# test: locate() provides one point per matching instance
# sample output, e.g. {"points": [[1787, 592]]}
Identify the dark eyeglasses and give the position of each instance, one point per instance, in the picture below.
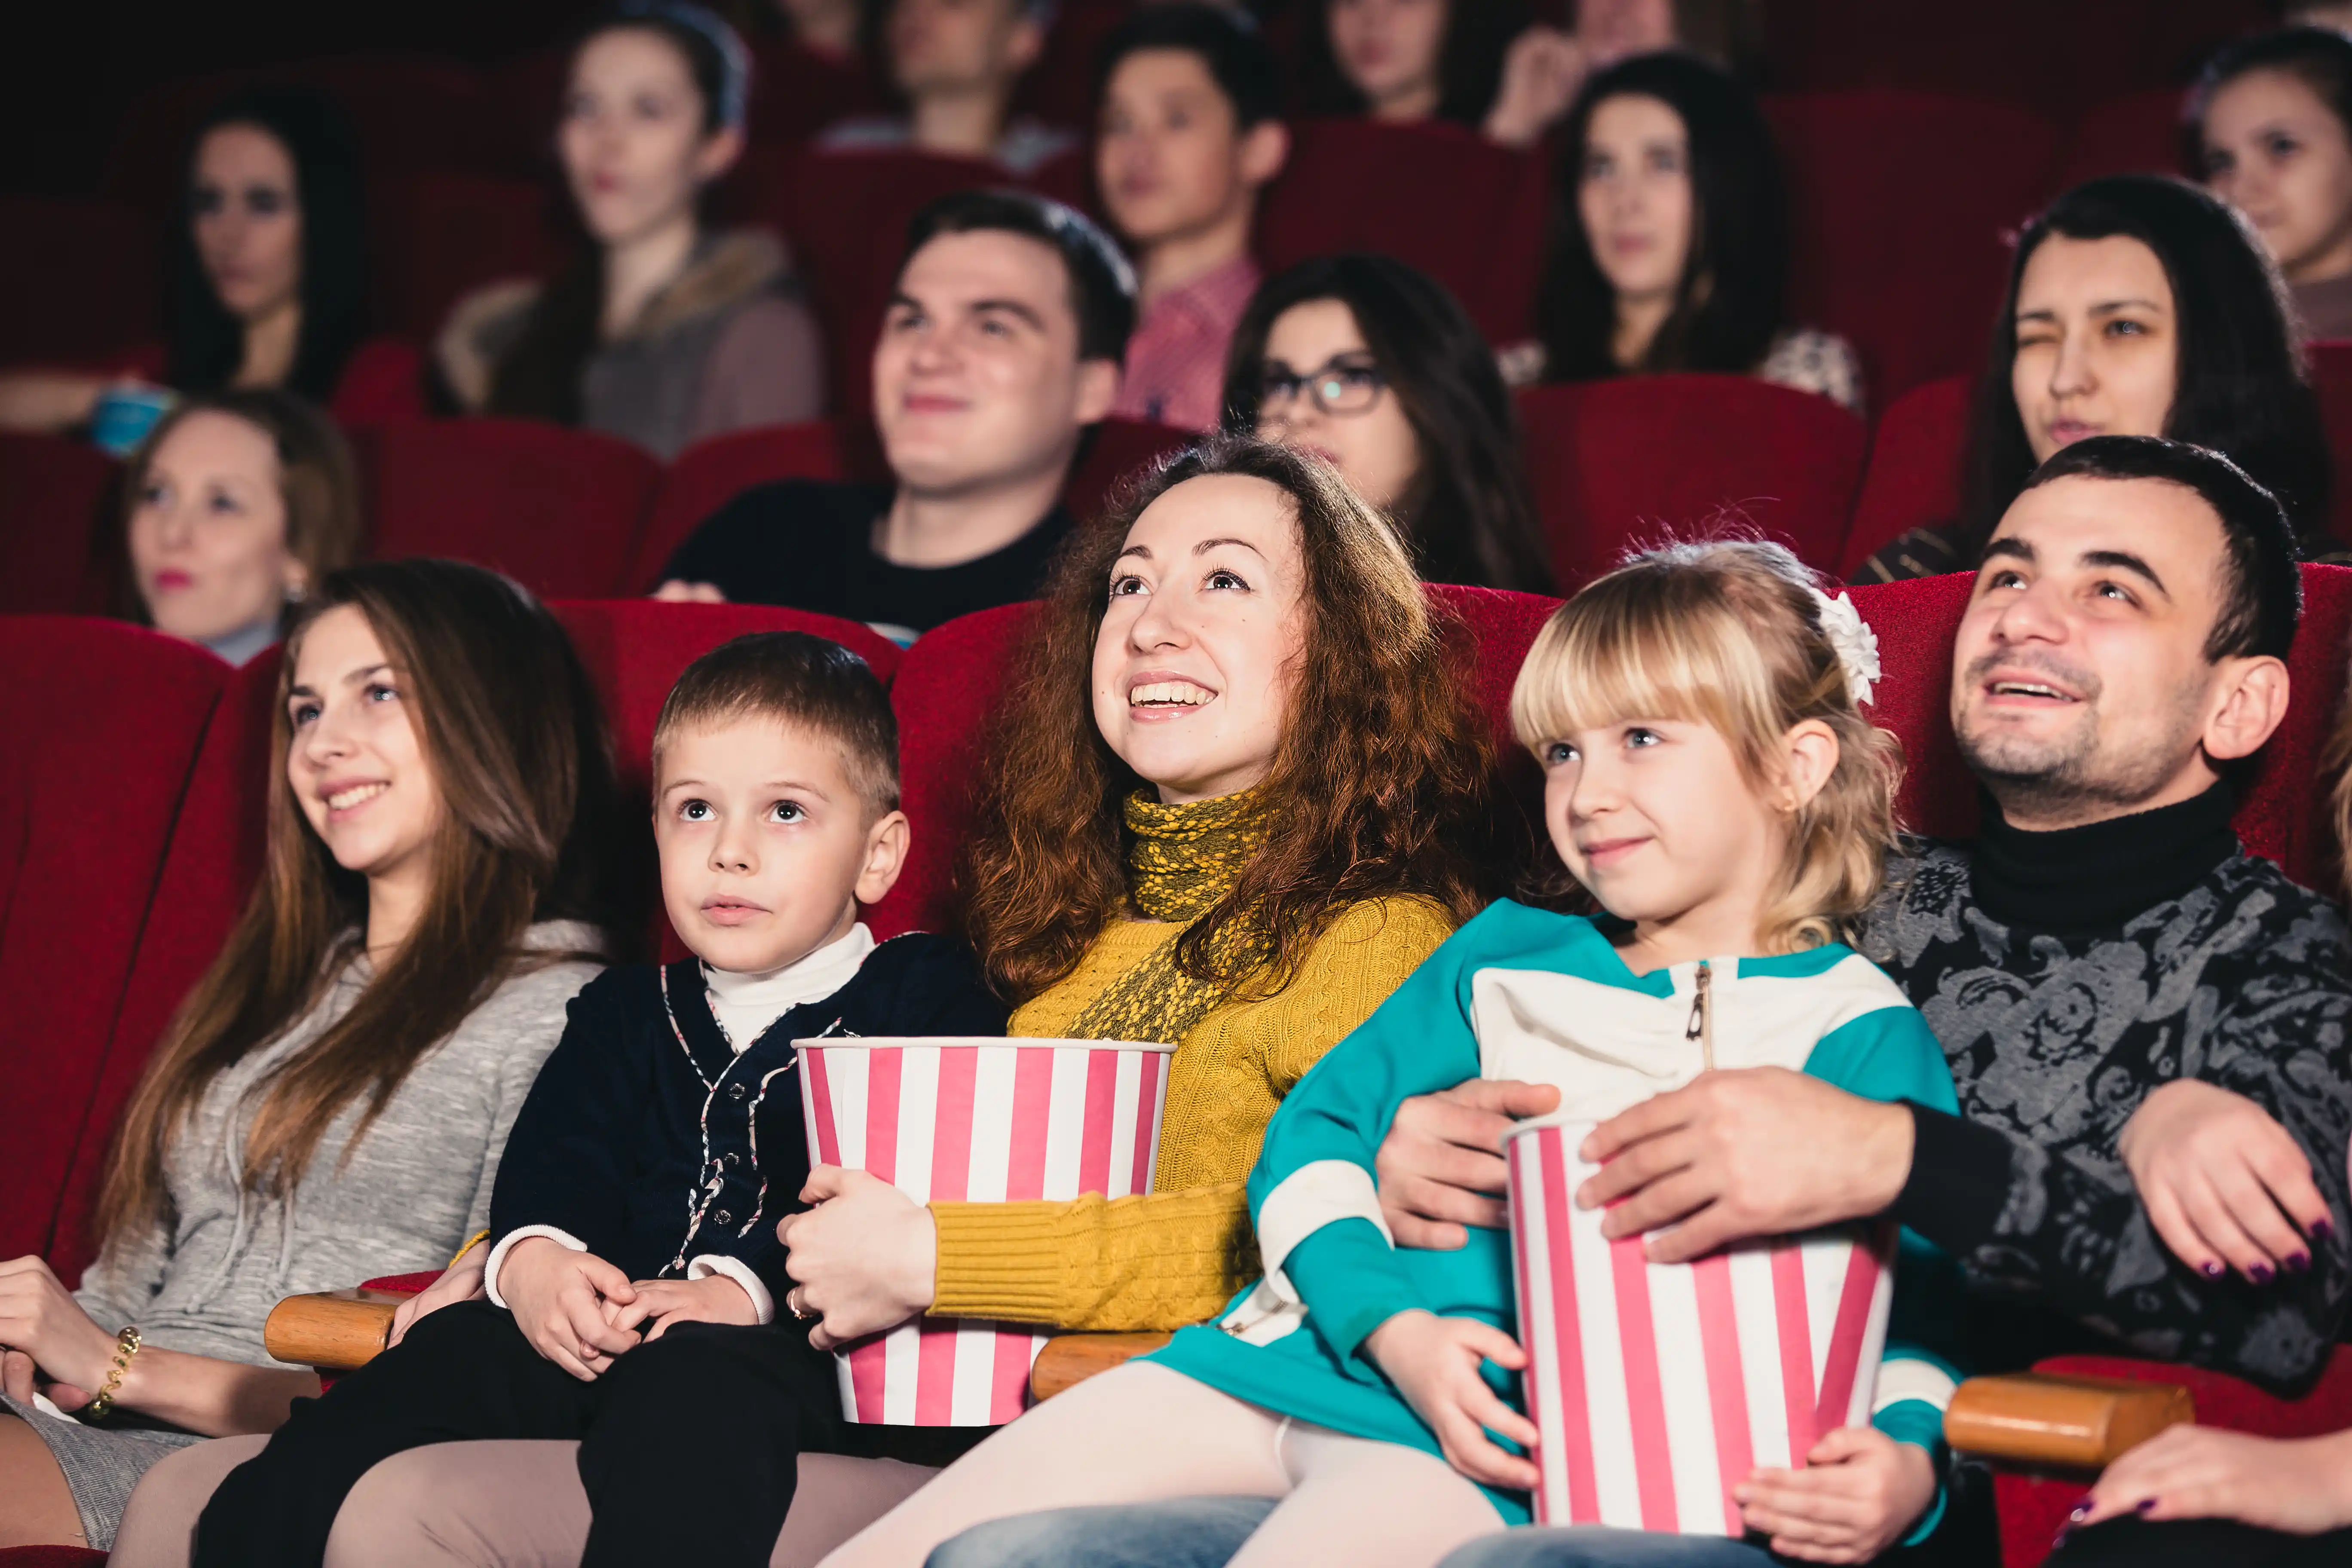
{"points": [[1346, 385]]}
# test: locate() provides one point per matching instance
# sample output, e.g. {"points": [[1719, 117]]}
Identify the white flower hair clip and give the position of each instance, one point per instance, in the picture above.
{"points": [[1855, 644]]}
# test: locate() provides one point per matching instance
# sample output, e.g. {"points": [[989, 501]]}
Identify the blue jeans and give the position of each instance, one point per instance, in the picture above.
{"points": [[1591, 1546], [1184, 1533]]}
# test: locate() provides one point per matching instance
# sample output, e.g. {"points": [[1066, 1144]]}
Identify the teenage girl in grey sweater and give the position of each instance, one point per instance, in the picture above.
{"points": [[333, 1100]]}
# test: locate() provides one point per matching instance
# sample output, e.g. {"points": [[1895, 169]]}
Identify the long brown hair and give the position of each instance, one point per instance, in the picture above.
{"points": [[510, 727], [1382, 784]]}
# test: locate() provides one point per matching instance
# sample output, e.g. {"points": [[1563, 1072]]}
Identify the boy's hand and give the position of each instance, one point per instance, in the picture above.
{"points": [[1433, 1362], [715, 1299], [1860, 1493], [865, 1257], [558, 1296], [461, 1281]]}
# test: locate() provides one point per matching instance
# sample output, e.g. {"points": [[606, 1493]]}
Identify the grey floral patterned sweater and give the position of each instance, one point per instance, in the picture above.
{"points": [[2067, 975]]}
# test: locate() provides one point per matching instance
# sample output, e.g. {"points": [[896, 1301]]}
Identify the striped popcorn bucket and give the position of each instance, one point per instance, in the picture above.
{"points": [[983, 1121], [1656, 1388]]}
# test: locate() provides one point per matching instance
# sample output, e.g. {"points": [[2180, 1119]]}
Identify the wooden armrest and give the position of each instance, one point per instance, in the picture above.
{"points": [[334, 1331], [1069, 1360], [2046, 1422]]}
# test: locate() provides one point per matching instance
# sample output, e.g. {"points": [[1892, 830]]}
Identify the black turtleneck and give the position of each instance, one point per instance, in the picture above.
{"points": [[2077, 880]]}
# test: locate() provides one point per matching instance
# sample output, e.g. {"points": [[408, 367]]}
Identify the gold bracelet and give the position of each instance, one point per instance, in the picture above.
{"points": [[472, 1242], [126, 1345]]}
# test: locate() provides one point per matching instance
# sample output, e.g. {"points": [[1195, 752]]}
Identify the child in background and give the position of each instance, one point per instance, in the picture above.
{"points": [[1710, 781], [635, 1210]]}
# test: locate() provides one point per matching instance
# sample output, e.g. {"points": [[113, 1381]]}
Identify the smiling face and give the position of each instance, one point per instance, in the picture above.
{"points": [[633, 138], [1391, 51], [357, 764], [1633, 195], [1170, 159], [2275, 152], [247, 221], [2080, 685], [977, 379], [2097, 344], [767, 846], [1198, 647], [1317, 347], [208, 530]]}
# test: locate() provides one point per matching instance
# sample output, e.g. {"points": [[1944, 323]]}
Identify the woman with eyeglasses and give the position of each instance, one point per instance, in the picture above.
{"points": [[1375, 368]]}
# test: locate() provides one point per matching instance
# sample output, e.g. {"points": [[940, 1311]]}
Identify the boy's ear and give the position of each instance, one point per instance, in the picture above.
{"points": [[1809, 756], [1265, 149], [885, 856]]}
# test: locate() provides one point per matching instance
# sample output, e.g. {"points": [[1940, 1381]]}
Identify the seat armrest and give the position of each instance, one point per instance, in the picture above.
{"points": [[2049, 1422], [1068, 1360], [334, 1331]]}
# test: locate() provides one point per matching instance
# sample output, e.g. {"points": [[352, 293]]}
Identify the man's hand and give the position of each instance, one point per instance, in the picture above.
{"points": [[2302, 1486], [557, 1299], [715, 1299], [1433, 1362], [1860, 1492], [40, 1318], [1440, 1167], [461, 1281], [678, 591], [867, 1257], [2223, 1184], [1750, 1152]]}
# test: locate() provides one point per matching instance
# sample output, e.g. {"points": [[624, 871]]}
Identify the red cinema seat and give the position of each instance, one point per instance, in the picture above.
{"points": [[1473, 216], [2139, 134], [1914, 476], [1617, 463], [53, 512], [382, 382], [1060, 87], [99, 727], [438, 236], [84, 274], [2331, 377], [558, 510], [1120, 451], [709, 474], [797, 92], [1900, 208]]}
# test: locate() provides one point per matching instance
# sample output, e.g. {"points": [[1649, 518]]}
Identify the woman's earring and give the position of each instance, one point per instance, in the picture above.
{"points": [[297, 590]]}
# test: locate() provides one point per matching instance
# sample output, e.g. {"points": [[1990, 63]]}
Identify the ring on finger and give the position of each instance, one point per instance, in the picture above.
{"points": [[798, 1303]]}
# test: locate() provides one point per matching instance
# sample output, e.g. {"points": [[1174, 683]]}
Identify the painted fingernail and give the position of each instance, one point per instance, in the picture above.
{"points": [[2211, 1270], [2321, 1230], [2144, 1505], [2298, 1262], [2080, 1511], [2261, 1274]]}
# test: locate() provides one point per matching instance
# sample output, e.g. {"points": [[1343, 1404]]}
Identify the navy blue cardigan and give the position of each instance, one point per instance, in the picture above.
{"points": [[653, 1143]]}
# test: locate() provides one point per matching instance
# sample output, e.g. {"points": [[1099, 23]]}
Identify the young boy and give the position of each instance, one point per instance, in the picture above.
{"points": [[634, 1212]]}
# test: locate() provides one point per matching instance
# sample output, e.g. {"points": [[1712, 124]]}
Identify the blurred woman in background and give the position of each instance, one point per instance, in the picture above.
{"points": [[663, 331], [2272, 119], [1405, 61]]}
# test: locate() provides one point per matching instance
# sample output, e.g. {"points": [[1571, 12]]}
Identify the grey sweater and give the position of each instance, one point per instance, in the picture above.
{"points": [[204, 1280]]}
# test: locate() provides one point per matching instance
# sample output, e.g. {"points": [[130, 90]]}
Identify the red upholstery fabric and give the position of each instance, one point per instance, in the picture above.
{"points": [[1914, 622], [83, 273], [1472, 215], [709, 474], [208, 872], [2139, 134], [635, 650], [404, 1284], [382, 382], [1121, 449], [2283, 813], [436, 237], [797, 92], [1914, 476], [1899, 203], [1060, 87], [559, 509], [50, 1557], [53, 507], [2331, 377], [100, 726], [2032, 1507], [1615, 463]]}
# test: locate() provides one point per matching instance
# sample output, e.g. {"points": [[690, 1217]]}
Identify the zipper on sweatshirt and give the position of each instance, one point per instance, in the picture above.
{"points": [[1701, 1026]]}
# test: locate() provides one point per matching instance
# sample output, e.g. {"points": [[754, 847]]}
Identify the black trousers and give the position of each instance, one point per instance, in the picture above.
{"points": [[690, 1445], [2199, 1543]]}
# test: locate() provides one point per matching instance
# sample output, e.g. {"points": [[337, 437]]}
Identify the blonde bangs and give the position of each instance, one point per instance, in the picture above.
{"points": [[1625, 649]]}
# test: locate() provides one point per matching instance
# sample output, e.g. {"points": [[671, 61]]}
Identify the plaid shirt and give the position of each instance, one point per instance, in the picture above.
{"points": [[1176, 360]]}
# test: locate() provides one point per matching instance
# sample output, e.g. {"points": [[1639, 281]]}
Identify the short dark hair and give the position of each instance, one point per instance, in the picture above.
{"points": [[2264, 601], [1226, 40], [796, 679], [2319, 58], [1102, 284]]}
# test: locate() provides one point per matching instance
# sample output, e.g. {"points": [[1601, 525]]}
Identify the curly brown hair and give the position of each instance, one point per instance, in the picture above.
{"points": [[1383, 785]]}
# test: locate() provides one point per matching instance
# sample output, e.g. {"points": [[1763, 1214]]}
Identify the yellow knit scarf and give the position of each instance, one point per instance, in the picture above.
{"points": [[1180, 859]]}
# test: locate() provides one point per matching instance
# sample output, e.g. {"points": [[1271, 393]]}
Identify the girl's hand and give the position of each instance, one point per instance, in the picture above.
{"points": [[715, 1299], [2302, 1486], [1860, 1493], [867, 1257], [1542, 71], [1433, 1362], [461, 1281], [39, 1317], [557, 1299]]}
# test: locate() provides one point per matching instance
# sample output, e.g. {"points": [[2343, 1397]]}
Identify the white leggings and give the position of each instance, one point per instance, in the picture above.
{"points": [[1142, 1432]]}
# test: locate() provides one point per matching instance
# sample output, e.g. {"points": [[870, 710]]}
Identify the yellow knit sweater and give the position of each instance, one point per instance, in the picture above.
{"points": [[1176, 1254]]}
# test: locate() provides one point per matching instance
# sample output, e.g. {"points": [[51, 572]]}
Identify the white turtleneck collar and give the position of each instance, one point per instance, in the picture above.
{"points": [[745, 1005]]}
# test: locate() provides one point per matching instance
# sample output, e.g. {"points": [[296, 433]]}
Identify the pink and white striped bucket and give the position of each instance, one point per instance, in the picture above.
{"points": [[1656, 1388], [982, 1121]]}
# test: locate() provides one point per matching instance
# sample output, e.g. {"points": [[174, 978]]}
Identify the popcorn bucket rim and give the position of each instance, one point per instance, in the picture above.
{"points": [[895, 1042], [1548, 1121]]}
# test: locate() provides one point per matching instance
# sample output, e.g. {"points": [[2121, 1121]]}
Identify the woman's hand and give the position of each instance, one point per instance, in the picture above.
{"points": [[678, 591], [2302, 1486], [1433, 1362], [1860, 1492], [1541, 75], [714, 1298], [867, 1257], [557, 1299], [39, 1317], [461, 1281], [2223, 1184]]}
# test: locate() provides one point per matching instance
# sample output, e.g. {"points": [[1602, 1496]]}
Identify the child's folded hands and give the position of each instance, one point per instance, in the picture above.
{"points": [[1433, 1362], [714, 1298], [1860, 1493], [558, 1296]]}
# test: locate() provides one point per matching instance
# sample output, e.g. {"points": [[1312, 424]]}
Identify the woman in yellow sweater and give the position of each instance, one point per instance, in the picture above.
{"points": [[1235, 802]]}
